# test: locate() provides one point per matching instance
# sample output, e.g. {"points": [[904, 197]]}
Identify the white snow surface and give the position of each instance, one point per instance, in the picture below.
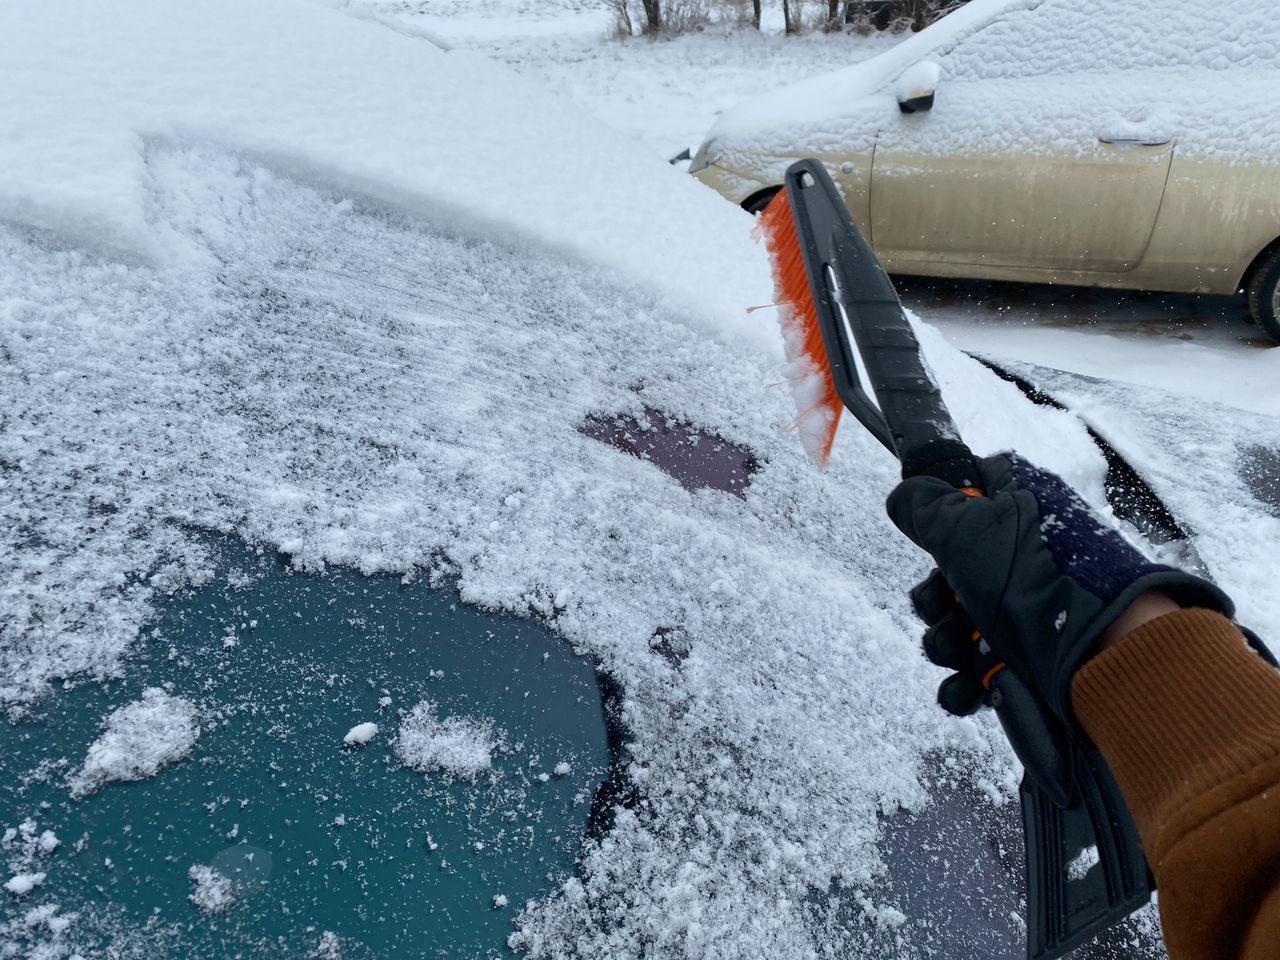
{"points": [[1193, 346], [23, 883], [1045, 38], [328, 948], [1037, 76], [460, 748], [138, 741], [212, 892], [825, 96], [665, 93], [360, 734], [1217, 467], [87, 90]]}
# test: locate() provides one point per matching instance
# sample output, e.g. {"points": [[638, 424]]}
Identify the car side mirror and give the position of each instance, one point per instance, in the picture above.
{"points": [[916, 86]]}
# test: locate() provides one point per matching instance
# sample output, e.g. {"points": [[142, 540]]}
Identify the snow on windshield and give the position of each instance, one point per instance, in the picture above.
{"points": [[396, 378], [354, 388]]}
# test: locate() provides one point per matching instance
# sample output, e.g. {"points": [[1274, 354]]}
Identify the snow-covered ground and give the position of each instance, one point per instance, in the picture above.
{"points": [[289, 270], [1200, 347], [666, 93]]}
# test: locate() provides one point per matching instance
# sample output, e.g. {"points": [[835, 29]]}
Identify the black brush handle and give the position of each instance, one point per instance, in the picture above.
{"points": [[861, 317]]}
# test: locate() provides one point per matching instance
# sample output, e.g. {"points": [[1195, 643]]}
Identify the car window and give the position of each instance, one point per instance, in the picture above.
{"points": [[1076, 36]]}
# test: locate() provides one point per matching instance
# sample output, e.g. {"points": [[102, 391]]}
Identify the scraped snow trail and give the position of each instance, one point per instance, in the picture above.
{"points": [[354, 388]]}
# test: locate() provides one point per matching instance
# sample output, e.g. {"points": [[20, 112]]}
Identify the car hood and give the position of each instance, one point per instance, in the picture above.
{"points": [[323, 96]]}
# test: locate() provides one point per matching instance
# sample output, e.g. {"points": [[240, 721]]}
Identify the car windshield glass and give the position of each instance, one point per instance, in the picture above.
{"points": [[352, 764]]}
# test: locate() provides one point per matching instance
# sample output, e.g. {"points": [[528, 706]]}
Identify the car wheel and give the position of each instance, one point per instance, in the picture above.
{"points": [[759, 200], [1263, 294]]}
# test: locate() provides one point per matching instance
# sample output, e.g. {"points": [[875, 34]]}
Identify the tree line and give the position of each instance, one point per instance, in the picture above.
{"points": [[658, 17]]}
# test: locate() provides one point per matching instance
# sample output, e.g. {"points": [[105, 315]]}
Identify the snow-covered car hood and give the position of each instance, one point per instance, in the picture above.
{"points": [[87, 91]]}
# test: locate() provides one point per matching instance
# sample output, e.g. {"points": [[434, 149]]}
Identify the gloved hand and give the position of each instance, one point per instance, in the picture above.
{"points": [[1035, 573]]}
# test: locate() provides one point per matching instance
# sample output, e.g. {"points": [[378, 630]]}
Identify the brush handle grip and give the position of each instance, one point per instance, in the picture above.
{"points": [[946, 459], [919, 425]]}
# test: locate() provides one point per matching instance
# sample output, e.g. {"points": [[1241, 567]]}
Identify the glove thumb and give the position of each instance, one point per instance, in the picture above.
{"points": [[916, 504]]}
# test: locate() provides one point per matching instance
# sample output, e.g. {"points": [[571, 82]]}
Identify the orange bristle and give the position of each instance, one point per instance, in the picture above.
{"points": [[808, 370]]}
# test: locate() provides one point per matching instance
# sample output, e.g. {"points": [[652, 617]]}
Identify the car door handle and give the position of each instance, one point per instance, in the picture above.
{"points": [[1140, 140]]}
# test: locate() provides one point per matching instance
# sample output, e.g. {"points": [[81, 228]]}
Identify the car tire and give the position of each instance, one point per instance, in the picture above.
{"points": [[1263, 293], [759, 200]]}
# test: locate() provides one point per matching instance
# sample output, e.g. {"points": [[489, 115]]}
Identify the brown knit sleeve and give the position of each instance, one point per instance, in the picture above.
{"points": [[1188, 718]]}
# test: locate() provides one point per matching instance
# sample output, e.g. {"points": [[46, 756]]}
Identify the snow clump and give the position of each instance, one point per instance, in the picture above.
{"points": [[212, 892], [23, 883], [460, 748], [329, 947], [360, 734], [139, 740], [24, 846]]}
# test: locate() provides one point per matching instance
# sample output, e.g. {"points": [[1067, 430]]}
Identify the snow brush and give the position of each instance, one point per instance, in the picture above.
{"points": [[843, 323]]}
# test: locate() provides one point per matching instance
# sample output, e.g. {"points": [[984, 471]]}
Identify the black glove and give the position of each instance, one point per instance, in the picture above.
{"points": [[1035, 574]]}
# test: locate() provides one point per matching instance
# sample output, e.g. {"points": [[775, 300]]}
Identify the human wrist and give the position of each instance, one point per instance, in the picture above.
{"points": [[1145, 608], [1181, 703]]}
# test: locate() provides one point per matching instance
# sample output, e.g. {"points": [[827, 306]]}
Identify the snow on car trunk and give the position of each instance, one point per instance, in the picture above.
{"points": [[390, 366]]}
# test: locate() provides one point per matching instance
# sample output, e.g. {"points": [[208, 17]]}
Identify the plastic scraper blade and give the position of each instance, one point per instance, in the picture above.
{"points": [[1085, 866]]}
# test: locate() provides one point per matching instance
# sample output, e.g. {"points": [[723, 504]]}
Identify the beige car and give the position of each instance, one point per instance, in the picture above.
{"points": [[1052, 141]]}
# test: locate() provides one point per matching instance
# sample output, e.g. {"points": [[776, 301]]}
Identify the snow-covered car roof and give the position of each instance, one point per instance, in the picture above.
{"points": [[1058, 50]]}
